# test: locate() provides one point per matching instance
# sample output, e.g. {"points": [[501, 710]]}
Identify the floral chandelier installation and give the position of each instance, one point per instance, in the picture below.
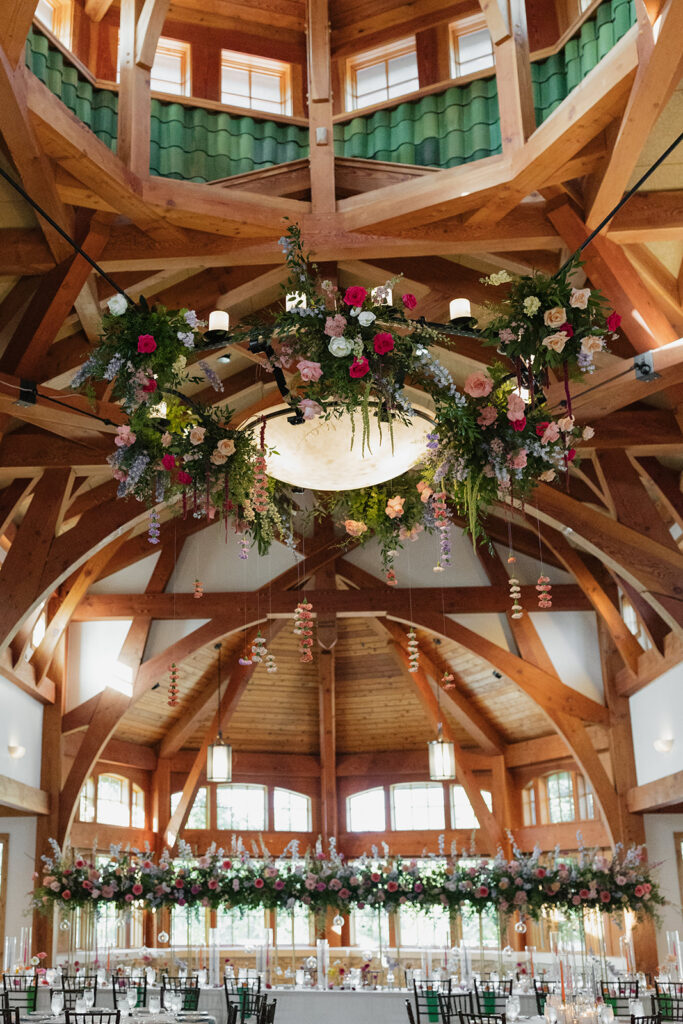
{"points": [[350, 354], [524, 885]]}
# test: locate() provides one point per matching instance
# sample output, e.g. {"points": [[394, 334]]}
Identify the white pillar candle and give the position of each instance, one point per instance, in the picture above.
{"points": [[460, 307], [219, 320]]}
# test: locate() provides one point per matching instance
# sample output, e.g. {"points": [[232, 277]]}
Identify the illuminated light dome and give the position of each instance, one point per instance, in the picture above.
{"points": [[317, 453]]}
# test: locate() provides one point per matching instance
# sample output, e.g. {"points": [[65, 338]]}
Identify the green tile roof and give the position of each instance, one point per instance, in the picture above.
{"points": [[555, 77], [454, 127], [95, 107], [442, 130], [202, 145]]}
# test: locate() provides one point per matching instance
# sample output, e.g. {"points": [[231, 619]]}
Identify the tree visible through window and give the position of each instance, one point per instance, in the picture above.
{"points": [[382, 74]]}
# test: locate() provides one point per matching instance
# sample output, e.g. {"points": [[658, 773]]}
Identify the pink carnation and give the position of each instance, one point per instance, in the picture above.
{"points": [[334, 326], [487, 416], [309, 408]]}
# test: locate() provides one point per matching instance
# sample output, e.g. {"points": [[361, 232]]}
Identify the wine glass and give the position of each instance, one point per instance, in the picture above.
{"points": [[80, 1006], [89, 998], [132, 998], [57, 1003]]}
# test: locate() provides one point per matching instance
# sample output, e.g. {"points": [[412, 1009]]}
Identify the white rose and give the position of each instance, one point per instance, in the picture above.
{"points": [[579, 297], [555, 317], [588, 433], [365, 318], [354, 311], [226, 446], [118, 304], [566, 424], [340, 347], [592, 343], [197, 435], [218, 458]]}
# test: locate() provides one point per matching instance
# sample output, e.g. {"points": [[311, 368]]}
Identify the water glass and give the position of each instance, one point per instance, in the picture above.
{"points": [[154, 1003], [89, 998], [606, 1014], [550, 1012], [80, 1006], [132, 998], [512, 1008], [57, 1003]]}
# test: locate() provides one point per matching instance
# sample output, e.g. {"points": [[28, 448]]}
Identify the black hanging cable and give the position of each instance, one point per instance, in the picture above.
{"points": [[622, 202], [67, 238]]}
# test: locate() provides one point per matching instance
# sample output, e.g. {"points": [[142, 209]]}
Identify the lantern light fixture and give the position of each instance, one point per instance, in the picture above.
{"points": [[441, 758], [219, 753]]}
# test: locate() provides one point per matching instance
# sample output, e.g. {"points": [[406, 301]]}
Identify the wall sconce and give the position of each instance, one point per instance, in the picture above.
{"points": [[663, 744], [16, 750]]}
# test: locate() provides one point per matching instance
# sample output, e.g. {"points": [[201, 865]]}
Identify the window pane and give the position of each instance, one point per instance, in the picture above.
{"points": [[302, 927], [418, 929], [45, 13], [138, 808], [291, 811], [489, 927], [366, 924], [241, 807], [371, 78], [365, 812], [112, 800], [197, 816], [418, 805], [235, 929], [402, 69], [462, 814], [265, 87], [235, 80], [560, 791], [475, 45], [403, 87], [188, 926], [86, 810]]}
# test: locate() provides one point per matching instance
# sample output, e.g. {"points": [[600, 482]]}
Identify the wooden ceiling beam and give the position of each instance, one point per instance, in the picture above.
{"points": [[17, 17], [634, 507], [19, 798], [96, 9], [668, 485], [657, 795], [649, 216], [661, 283]]}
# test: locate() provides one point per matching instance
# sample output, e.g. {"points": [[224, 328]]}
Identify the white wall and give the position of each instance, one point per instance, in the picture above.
{"points": [[657, 712], [22, 848], [661, 851], [21, 724], [92, 662]]}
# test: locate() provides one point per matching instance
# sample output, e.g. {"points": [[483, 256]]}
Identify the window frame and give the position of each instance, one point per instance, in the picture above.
{"points": [[363, 792], [451, 806], [373, 58], [464, 27], [241, 785], [128, 784], [62, 20], [4, 875], [432, 786], [301, 796], [177, 48], [252, 64], [529, 805]]}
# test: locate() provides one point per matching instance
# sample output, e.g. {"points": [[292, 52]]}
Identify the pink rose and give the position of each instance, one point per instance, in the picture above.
{"points": [[179, 883], [320, 886], [108, 891], [605, 896], [392, 886], [137, 889], [168, 461], [309, 408], [613, 321], [344, 894], [258, 883], [184, 478], [213, 883], [309, 369], [359, 367], [639, 891], [146, 343], [409, 301], [355, 296], [647, 887], [516, 407], [66, 895], [394, 507], [478, 384], [375, 876], [576, 900], [334, 326], [383, 343], [487, 416], [150, 387], [550, 434], [518, 461], [279, 884], [519, 425], [584, 894]]}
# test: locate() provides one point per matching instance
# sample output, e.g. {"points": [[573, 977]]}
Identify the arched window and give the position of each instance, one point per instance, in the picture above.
{"points": [[113, 800], [585, 795], [417, 805], [529, 804], [365, 811], [462, 812], [137, 807], [86, 809], [559, 788], [241, 807], [197, 818], [291, 811]]}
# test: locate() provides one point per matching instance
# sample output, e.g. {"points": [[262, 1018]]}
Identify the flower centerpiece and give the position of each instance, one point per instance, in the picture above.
{"points": [[545, 322]]}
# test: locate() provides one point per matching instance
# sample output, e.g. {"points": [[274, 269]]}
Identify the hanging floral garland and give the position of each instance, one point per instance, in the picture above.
{"points": [[303, 628], [526, 884]]}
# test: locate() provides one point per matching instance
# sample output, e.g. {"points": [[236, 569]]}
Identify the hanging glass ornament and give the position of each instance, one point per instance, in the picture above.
{"points": [[162, 937], [173, 685], [64, 925], [198, 588], [413, 651], [515, 594], [520, 927], [303, 628], [545, 592]]}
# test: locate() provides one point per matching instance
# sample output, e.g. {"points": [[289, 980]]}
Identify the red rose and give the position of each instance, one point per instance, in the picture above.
{"points": [[179, 883], [183, 477], [571, 454], [168, 461], [482, 891], [540, 872], [150, 387], [519, 425], [613, 321], [227, 864], [392, 886], [375, 876], [568, 330], [359, 367], [605, 896], [409, 301], [146, 343], [258, 883], [541, 428], [383, 343], [355, 296]]}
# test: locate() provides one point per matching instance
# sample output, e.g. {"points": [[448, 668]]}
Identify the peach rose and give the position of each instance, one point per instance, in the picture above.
{"points": [[354, 528], [550, 434], [218, 458], [579, 298], [425, 491], [566, 424], [548, 475], [478, 384], [556, 341], [555, 317], [394, 507], [592, 343], [197, 435], [226, 446]]}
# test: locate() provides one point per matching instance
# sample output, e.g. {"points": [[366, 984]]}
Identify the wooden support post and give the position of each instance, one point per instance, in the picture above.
{"points": [[513, 77], [321, 129], [327, 638], [134, 95]]}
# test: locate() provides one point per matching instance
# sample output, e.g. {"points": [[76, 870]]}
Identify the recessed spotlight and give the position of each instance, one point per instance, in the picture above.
{"points": [[663, 744], [16, 750], [497, 674], [225, 358]]}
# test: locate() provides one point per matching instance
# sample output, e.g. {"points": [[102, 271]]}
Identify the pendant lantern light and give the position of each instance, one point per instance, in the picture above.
{"points": [[441, 758], [219, 753]]}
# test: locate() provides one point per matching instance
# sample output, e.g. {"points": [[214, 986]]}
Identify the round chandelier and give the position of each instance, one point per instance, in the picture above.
{"points": [[328, 455]]}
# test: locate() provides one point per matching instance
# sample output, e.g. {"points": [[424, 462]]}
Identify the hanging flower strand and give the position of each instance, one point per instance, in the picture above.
{"points": [[260, 489], [515, 594], [198, 588], [173, 685], [259, 649], [413, 651], [545, 592], [443, 525], [303, 628], [271, 664]]}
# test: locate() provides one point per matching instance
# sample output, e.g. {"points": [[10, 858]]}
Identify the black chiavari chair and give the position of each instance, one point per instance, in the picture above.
{"points": [[93, 1017], [121, 986], [490, 997], [618, 995], [669, 1007], [74, 988], [451, 1006], [8, 1014], [270, 1012], [426, 994], [409, 1011], [482, 1018], [21, 991], [243, 995], [542, 990], [188, 988], [653, 1018]]}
